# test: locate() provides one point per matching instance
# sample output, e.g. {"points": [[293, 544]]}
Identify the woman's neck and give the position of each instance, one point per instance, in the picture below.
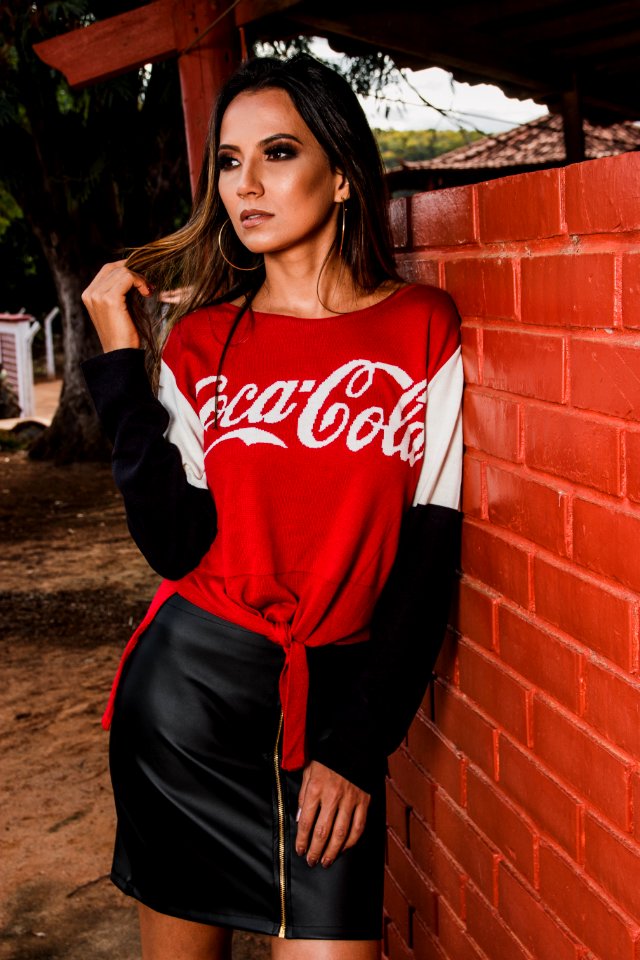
{"points": [[297, 286]]}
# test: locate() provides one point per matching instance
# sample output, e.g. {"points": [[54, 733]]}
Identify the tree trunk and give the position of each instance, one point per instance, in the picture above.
{"points": [[75, 432]]}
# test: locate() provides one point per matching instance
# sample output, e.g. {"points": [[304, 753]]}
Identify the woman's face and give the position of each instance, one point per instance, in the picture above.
{"points": [[275, 179]]}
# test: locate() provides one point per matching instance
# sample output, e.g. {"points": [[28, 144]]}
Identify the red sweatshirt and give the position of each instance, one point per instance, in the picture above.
{"points": [[318, 452]]}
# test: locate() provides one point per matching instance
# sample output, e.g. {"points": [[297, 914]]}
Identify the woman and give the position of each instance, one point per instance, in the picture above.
{"points": [[280, 484]]}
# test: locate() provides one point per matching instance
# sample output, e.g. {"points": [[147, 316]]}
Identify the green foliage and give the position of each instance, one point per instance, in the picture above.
{"points": [[367, 73], [88, 172], [9, 211], [398, 145]]}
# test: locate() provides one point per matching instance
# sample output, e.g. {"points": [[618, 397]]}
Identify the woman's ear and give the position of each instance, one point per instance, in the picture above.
{"points": [[342, 187]]}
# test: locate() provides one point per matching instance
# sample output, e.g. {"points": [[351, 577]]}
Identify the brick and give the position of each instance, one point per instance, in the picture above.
{"points": [[491, 424], [418, 268], [398, 221], [489, 931], [460, 722], [573, 446], [414, 884], [499, 693], [454, 939], [528, 364], [604, 377], [635, 802], [410, 782], [465, 844], [446, 665], [397, 949], [443, 218], [631, 289], [397, 816], [530, 921], [536, 511], [471, 351], [569, 290], [474, 614], [501, 823], [606, 540], [612, 706], [496, 561], [442, 762], [598, 617], [540, 657], [446, 875], [425, 946], [632, 465], [552, 807], [396, 905], [473, 488], [613, 861], [520, 208], [417, 889], [473, 494], [592, 918], [583, 760], [601, 196], [483, 288]]}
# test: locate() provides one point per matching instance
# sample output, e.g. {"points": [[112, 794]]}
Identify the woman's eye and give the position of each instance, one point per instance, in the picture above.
{"points": [[225, 162], [282, 152]]}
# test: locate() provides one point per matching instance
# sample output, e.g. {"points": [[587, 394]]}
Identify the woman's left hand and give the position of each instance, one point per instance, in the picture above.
{"points": [[332, 814]]}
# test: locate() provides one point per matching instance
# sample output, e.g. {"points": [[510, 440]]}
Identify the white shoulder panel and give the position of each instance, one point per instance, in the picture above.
{"points": [[441, 475], [185, 429]]}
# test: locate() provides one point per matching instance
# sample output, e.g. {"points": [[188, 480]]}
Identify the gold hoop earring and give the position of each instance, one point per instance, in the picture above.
{"points": [[226, 259], [343, 204]]}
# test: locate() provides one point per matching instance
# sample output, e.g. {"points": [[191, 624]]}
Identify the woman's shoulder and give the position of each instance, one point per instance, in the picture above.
{"points": [[427, 294]]}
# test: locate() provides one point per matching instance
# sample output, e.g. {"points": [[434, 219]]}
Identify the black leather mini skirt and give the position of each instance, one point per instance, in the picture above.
{"points": [[206, 816]]}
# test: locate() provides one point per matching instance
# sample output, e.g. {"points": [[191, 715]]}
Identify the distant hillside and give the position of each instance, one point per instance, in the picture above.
{"points": [[397, 145]]}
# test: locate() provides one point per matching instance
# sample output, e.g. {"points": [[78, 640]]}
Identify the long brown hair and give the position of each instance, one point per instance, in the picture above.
{"points": [[189, 261]]}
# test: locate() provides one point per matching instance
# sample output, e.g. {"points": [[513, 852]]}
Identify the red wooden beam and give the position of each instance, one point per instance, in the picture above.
{"points": [[249, 10], [204, 66], [150, 33], [145, 35], [114, 46]]}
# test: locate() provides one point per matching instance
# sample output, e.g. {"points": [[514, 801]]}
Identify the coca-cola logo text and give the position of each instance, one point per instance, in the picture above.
{"points": [[323, 410]]}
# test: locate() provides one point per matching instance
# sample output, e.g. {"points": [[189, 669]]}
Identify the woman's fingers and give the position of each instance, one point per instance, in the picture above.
{"points": [[357, 825], [338, 834], [332, 814], [105, 300]]}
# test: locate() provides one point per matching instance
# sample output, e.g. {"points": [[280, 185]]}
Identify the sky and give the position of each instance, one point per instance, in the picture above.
{"points": [[482, 106]]}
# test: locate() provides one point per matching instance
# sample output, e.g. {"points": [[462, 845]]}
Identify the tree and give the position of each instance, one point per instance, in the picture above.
{"points": [[92, 172], [398, 145]]}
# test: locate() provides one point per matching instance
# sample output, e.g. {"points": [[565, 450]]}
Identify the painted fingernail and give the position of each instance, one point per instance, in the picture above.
{"points": [[298, 814], [326, 863], [300, 851], [312, 861]]}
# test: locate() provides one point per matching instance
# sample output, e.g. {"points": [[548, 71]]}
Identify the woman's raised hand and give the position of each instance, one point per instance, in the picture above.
{"points": [[332, 815], [105, 300]]}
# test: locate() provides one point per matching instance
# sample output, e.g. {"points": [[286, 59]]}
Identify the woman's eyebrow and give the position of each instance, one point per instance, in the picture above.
{"points": [[263, 143]]}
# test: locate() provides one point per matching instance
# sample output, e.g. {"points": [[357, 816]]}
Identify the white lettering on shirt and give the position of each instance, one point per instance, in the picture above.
{"points": [[329, 411]]}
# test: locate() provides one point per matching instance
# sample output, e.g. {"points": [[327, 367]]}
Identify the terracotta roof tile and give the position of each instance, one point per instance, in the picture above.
{"points": [[535, 143]]}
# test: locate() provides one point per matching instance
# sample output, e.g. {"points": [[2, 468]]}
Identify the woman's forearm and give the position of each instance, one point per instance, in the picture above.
{"points": [[172, 522]]}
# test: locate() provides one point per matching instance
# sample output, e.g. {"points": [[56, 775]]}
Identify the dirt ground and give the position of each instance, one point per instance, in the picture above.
{"points": [[72, 586]]}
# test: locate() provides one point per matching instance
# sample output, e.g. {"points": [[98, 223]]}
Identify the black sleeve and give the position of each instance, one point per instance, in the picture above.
{"points": [[172, 522], [355, 732]]}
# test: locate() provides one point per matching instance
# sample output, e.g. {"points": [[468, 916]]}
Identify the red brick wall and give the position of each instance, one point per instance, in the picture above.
{"points": [[514, 806]]}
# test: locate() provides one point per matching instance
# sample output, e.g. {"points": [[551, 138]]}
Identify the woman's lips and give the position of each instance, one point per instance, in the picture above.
{"points": [[254, 219]]}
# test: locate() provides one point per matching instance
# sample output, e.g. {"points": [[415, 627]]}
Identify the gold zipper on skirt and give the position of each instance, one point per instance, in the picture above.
{"points": [[281, 854]]}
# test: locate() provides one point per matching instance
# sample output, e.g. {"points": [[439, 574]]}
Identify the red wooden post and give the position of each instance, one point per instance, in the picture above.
{"points": [[153, 32], [203, 68]]}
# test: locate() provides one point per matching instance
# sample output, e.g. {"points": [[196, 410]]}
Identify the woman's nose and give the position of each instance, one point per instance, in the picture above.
{"points": [[249, 182]]}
